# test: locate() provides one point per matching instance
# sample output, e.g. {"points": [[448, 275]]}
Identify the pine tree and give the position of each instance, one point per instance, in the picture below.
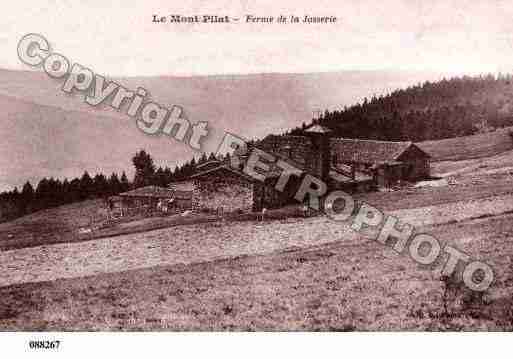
{"points": [[124, 184], [86, 186], [27, 197], [160, 178], [144, 169], [114, 184], [100, 186]]}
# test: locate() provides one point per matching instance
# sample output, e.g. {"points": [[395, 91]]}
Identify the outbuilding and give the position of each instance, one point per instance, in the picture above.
{"points": [[143, 200], [388, 162]]}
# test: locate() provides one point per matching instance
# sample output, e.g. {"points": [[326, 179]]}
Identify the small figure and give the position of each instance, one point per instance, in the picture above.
{"points": [[263, 213], [110, 203], [305, 210]]}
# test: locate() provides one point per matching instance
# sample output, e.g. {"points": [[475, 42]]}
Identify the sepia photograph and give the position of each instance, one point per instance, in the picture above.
{"points": [[223, 167]]}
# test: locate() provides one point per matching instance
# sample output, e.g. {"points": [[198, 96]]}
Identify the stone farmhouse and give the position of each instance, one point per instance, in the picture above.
{"points": [[351, 165]]}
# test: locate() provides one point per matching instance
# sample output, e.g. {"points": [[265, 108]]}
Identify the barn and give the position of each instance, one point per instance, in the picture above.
{"points": [[388, 162]]}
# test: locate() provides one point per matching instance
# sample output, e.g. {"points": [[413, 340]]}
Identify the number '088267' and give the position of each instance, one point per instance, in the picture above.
{"points": [[44, 344]]}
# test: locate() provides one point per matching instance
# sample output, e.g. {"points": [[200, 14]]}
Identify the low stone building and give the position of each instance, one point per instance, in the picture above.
{"points": [[216, 187], [144, 200], [222, 189]]}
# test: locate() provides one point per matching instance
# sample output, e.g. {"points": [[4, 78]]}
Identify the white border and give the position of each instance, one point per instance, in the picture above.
{"points": [[260, 345]]}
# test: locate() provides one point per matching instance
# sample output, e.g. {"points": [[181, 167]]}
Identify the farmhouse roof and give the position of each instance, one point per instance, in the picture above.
{"points": [[208, 163], [370, 151], [181, 186], [222, 167], [177, 194], [149, 191], [343, 177]]}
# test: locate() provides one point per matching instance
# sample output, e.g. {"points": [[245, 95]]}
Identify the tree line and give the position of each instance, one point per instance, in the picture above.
{"points": [[51, 192]]}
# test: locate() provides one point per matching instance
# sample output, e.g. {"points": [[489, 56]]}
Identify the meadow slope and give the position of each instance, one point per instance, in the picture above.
{"points": [[469, 147], [290, 274], [342, 285]]}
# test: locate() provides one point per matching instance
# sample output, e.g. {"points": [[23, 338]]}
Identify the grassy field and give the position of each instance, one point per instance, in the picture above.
{"points": [[497, 164], [60, 225], [296, 274], [55, 225], [341, 285], [282, 274], [188, 244], [469, 147]]}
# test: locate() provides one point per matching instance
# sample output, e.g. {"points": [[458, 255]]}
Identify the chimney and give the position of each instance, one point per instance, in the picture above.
{"points": [[320, 137]]}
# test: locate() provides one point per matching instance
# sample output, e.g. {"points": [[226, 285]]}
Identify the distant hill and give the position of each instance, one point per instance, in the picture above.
{"points": [[47, 133]]}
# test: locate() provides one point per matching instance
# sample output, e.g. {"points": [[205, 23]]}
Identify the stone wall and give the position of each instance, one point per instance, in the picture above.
{"points": [[299, 149], [352, 187], [309, 153], [182, 186], [389, 175], [266, 196], [222, 190]]}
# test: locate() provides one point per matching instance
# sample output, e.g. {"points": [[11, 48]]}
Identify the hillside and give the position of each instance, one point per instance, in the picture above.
{"points": [[429, 111], [54, 225], [47, 133], [469, 147], [259, 276], [267, 275], [46, 141]]}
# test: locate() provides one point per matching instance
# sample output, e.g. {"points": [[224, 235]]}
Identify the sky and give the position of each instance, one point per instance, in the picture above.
{"points": [[118, 38]]}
